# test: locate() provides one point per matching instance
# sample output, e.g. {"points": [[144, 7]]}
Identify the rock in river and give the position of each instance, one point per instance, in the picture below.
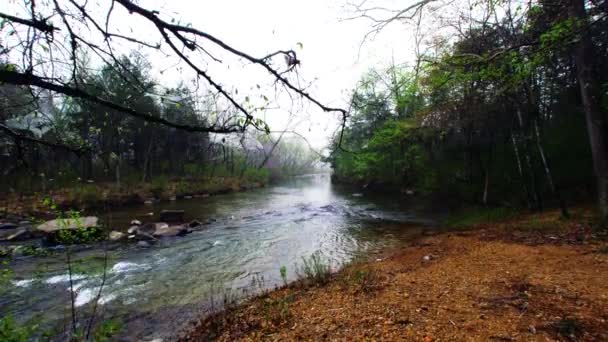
{"points": [[59, 224], [115, 235], [172, 231]]}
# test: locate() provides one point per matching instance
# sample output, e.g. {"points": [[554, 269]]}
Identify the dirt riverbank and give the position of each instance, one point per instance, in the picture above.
{"points": [[531, 278]]}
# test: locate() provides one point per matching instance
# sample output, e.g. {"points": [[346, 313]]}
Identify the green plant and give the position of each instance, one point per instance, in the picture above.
{"points": [[474, 216], [283, 271], [106, 330], [159, 185], [35, 251], [10, 331], [79, 235], [366, 281], [253, 174], [314, 270], [6, 274], [276, 310]]}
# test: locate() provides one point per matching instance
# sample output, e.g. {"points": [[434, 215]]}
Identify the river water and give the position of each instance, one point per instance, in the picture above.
{"points": [[154, 292]]}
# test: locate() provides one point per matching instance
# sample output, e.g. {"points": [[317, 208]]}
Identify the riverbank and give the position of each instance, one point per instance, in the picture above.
{"points": [[529, 277], [91, 197]]}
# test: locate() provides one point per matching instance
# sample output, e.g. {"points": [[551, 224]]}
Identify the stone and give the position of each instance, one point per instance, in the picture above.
{"points": [[148, 202], [8, 225], [172, 198], [144, 236], [59, 224], [426, 258], [172, 216], [169, 231], [143, 244], [115, 235], [150, 228], [136, 223], [132, 229]]}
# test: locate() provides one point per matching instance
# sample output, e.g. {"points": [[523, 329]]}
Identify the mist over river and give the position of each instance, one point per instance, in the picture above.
{"points": [[155, 292]]}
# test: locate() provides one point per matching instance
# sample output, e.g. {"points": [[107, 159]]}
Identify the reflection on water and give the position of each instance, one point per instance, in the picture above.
{"points": [[155, 290]]}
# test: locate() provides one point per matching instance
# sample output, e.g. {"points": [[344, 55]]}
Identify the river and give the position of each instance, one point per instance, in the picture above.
{"points": [[154, 292]]}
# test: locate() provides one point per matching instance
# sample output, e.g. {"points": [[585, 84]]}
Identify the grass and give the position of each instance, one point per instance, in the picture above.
{"points": [[314, 271], [478, 215], [276, 310], [361, 280]]}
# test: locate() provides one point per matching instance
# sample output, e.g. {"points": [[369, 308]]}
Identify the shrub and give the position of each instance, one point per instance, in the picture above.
{"points": [[10, 331], [314, 270], [158, 186], [252, 174]]}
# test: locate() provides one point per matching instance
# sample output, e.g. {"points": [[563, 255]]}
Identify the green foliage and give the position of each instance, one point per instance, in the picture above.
{"points": [[473, 216], [35, 251], [159, 185], [6, 275], [256, 175], [80, 235], [106, 330], [363, 280], [276, 310], [10, 331], [314, 270], [283, 271]]}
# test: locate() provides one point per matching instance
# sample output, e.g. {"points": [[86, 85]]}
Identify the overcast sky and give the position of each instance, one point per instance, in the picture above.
{"points": [[332, 55]]}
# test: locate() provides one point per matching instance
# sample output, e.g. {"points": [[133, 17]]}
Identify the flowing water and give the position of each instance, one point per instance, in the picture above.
{"points": [[156, 291]]}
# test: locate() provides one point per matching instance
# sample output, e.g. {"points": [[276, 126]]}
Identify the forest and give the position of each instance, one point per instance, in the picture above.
{"points": [[416, 170], [499, 114]]}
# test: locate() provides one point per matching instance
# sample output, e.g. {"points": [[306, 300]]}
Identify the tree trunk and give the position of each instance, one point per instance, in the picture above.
{"points": [[520, 169], [554, 189], [597, 126], [536, 196]]}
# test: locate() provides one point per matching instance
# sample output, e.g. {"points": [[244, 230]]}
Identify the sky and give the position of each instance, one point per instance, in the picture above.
{"points": [[330, 49], [332, 55]]}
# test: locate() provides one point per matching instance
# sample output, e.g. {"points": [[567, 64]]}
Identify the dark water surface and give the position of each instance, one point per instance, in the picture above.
{"points": [[156, 291]]}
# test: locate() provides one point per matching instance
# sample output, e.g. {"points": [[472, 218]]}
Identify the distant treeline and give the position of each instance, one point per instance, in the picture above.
{"points": [[109, 146], [494, 115]]}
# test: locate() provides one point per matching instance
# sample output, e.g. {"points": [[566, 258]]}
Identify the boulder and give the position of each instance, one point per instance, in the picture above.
{"points": [[115, 235], [169, 231], [151, 227], [172, 216], [132, 229], [59, 224]]}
